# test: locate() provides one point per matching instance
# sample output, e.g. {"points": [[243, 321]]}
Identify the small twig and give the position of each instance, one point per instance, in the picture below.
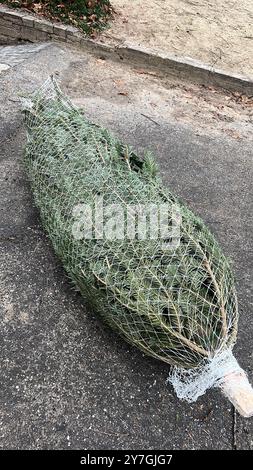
{"points": [[151, 119]]}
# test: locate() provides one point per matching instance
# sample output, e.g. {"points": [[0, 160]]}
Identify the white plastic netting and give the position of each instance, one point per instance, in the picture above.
{"points": [[169, 292], [190, 384]]}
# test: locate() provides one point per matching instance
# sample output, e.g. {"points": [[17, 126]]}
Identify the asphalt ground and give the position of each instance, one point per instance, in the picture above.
{"points": [[67, 381]]}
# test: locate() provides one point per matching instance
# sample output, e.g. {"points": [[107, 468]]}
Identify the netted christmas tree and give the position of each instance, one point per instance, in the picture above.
{"points": [[162, 281]]}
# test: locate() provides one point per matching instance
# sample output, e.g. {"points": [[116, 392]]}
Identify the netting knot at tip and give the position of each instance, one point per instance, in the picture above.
{"points": [[190, 384]]}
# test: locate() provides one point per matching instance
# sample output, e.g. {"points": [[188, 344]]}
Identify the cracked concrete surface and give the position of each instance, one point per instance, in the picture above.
{"points": [[67, 381]]}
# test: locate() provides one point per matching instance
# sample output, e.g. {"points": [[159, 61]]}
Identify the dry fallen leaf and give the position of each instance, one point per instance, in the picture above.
{"points": [[100, 61], [93, 17], [234, 134], [118, 82], [37, 7]]}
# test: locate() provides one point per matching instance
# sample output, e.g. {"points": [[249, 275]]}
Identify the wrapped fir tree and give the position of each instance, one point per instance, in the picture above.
{"points": [[142, 260]]}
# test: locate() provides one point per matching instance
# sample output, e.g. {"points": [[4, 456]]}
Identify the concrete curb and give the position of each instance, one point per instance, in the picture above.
{"points": [[20, 25], [182, 68]]}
